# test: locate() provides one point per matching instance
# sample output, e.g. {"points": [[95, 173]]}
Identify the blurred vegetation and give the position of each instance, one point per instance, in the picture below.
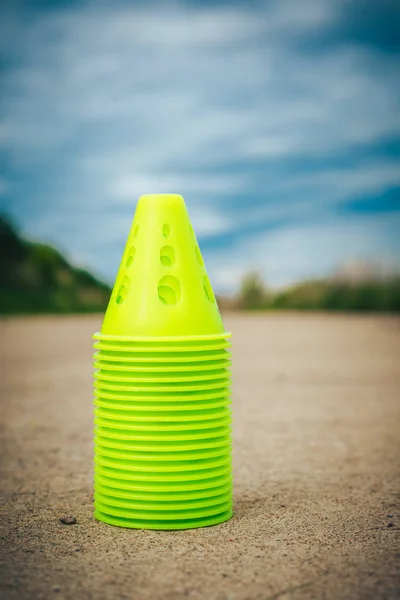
{"points": [[373, 294], [36, 278], [253, 293]]}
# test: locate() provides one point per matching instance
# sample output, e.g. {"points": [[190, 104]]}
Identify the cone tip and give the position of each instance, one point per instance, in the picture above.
{"points": [[169, 200]]}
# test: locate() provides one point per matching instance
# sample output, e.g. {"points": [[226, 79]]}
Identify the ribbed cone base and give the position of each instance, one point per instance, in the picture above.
{"points": [[159, 524], [162, 432]]}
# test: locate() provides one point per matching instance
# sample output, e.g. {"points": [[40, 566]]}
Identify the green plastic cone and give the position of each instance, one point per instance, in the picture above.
{"points": [[162, 289], [162, 382]]}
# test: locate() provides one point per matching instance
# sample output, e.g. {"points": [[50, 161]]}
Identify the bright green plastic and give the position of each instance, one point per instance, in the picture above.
{"points": [[157, 376], [162, 383], [162, 289], [172, 358], [152, 456], [163, 408], [156, 386], [159, 524], [166, 398], [163, 446], [173, 489], [144, 415], [169, 367], [170, 496], [172, 347], [162, 426]]}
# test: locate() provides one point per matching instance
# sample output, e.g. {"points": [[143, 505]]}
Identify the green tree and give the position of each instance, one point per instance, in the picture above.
{"points": [[252, 293]]}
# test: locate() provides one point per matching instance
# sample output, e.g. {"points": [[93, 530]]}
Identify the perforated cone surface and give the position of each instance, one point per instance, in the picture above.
{"points": [[162, 383], [162, 288]]}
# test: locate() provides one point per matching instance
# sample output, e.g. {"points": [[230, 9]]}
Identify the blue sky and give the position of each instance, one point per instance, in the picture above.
{"points": [[279, 122]]}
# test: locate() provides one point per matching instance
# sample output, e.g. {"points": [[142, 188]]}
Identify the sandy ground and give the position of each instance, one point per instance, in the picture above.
{"points": [[316, 463]]}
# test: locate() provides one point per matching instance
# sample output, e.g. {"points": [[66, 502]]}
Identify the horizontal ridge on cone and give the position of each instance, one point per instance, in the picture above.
{"points": [[157, 376], [162, 468], [113, 471], [168, 426], [151, 387], [168, 349], [164, 407], [183, 339], [163, 357], [185, 396], [154, 456], [162, 436], [186, 345], [163, 515], [161, 430], [192, 367], [163, 505], [183, 415], [163, 525], [155, 446], [163, 487], [177, 496]]}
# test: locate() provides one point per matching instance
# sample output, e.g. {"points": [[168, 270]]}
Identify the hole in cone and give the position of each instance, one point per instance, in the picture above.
{"points": [[199, 256], [123, 290], [169, 289], [208, 289], [165, 230], [167, 256], [131, 256]]}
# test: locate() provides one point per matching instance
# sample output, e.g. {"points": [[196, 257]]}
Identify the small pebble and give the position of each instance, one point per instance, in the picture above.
{"points": [[68, 520], [390, 524]]}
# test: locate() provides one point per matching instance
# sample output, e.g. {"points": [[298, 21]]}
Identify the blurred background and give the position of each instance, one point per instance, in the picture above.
{"points": [[278, 121]]}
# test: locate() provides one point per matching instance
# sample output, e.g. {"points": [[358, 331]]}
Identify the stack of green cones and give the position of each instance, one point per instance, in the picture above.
{"points": [[162, 383]]}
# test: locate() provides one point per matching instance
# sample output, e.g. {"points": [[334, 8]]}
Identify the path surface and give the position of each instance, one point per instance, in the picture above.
{"points": [[316, 462]]}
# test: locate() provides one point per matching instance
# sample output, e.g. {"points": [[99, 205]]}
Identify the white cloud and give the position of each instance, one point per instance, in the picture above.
{"points": [[288, 255], [317, 195], [132, 186], [185, 85], [350, 181], [208, 221]]}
